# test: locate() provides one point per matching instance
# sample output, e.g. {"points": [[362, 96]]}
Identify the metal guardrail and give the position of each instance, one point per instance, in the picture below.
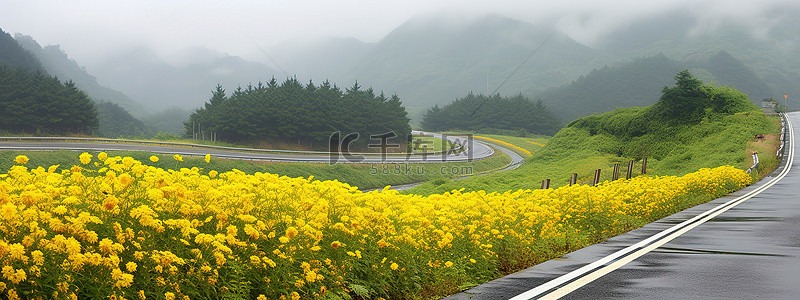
{"points": [[755, 163], [459, 148], [778, 153]]}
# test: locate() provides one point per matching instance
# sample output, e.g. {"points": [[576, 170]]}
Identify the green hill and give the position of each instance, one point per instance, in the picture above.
{"points": [[692, 126]]}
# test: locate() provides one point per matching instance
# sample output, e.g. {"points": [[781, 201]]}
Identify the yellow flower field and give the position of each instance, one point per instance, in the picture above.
{"points": [[122, 229]]}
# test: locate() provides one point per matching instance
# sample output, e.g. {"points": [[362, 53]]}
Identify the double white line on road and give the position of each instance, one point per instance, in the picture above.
{"points": [[571, 281]]}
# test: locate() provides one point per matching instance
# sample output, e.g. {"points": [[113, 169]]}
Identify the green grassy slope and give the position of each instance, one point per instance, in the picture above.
{"points": [[600, 141]]}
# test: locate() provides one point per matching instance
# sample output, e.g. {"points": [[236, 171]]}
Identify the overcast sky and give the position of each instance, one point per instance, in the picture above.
{"points": [[88, 29]]}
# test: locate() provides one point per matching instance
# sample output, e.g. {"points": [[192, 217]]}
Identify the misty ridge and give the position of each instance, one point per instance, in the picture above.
{"points": [[436, 58]]}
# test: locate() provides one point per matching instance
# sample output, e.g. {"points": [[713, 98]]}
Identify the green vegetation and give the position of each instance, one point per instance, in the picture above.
{"points": [[116, 122], [482, 113], [364, 176], [530, 143], [715, 132], [34, 103], [292, 112], [421, 143]]}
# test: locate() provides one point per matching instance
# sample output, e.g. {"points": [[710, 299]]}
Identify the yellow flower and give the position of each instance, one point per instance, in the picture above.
{"points": [[208, 158], [212, 174], [261, 297], [295, 296], [291, 232], [448, 264], [8, 211], [21, 159], [102, 156], [131, 266], [169, 296], [394, 266], [154, 158], [38, 257], [177, 157], [85, 158]]}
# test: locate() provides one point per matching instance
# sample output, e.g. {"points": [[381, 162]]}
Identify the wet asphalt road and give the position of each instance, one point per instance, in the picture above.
{"points": [[751, 251], [516, 161]]}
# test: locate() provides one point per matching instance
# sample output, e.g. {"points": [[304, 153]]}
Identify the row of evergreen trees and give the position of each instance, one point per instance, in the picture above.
{"points": [[35, 103], [293, 112], [482, 113]]}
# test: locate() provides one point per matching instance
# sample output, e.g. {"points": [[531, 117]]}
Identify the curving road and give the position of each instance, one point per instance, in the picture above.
{"points": [[745, 245], [474, 150]]}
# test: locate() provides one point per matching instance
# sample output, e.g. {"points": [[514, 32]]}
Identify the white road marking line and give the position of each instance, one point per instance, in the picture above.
{"points": [[584, 275]]}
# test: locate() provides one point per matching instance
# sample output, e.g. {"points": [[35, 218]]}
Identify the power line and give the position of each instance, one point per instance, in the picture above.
{"points": [[513, 73], [265, 53]]}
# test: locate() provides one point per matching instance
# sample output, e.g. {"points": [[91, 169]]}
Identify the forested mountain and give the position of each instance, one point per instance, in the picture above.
{"points": [[291, 111], [488, 114], [35, 103], [148, 78], [727, 70], [58, 63], [637, 83], [116, 122], [13, 55], [429, 60], [771, 51], [107, 120]]}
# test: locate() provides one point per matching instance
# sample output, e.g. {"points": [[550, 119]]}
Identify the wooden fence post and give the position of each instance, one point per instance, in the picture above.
{"points": [[615, 173], [644, 165], [596, 179], [630, 170], [573, 179], [545, 184]]}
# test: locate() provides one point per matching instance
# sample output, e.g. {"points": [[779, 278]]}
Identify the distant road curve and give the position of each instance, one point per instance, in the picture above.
{"points": [[472, 150]]}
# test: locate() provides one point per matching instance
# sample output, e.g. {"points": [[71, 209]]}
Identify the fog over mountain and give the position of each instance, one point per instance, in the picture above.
{"points": [[149, 78], [432, 56], [57, 62]]}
